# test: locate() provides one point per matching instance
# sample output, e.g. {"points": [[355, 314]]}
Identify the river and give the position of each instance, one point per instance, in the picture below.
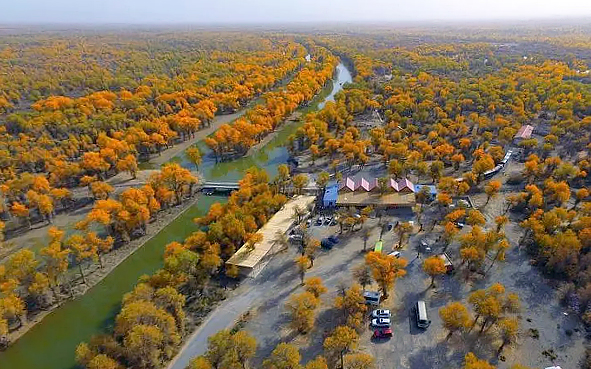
{"points": [[274, 153], [51, 344]]}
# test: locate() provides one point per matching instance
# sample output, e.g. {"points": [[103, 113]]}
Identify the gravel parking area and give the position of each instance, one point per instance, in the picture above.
{"points": [[559, 333]]}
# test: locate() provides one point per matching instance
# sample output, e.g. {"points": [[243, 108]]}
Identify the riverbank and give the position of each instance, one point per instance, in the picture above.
{"points": [[95, 274], [54, 339]]}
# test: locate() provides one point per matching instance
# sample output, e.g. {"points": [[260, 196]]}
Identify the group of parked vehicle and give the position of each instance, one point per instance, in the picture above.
{"points": [[381, 319], [323, 220]]}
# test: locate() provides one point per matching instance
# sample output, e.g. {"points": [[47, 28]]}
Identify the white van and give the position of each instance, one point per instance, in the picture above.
{"points": [[421, 312]]}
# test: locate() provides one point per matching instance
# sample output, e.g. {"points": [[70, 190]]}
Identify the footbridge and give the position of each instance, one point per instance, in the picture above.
{"points": [[233, 186]]}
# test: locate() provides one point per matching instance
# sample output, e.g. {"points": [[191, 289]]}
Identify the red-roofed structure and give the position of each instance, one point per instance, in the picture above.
{"points": [[524, 133]]}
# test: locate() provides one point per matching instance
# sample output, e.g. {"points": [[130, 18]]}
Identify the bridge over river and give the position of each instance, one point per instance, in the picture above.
{"points": [[233, 186]]}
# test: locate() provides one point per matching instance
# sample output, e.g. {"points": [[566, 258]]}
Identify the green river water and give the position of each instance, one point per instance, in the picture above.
{"points": [[51, 344]]}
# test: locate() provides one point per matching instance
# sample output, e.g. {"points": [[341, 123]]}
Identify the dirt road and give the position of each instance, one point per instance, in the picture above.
{"points": [[166, 155]]}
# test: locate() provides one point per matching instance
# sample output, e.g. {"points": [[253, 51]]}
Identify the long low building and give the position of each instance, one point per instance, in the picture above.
{"points": [[251, 263], [367, 191], [388, 200]]}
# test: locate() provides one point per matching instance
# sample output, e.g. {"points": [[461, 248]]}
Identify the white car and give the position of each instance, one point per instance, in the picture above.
{"points": [[396, 254], [380, 313], [381, 322]]}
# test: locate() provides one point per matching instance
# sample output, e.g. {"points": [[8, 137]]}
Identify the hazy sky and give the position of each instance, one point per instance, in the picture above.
{"points": [[266, 11]]}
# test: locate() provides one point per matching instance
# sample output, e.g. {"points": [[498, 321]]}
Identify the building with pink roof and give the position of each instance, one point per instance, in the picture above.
{"points": [[370, 184], [350, 184], [524, 133], [406, 185], [364, 192], [393, 184]]}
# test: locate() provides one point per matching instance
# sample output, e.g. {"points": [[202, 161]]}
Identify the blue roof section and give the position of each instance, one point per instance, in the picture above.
{"points": [[332, 192], [432, 189]]}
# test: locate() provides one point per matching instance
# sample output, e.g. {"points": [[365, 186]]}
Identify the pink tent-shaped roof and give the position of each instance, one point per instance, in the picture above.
{"points": [[350, 184], [394, 184], [405, 183], [368, 185]]}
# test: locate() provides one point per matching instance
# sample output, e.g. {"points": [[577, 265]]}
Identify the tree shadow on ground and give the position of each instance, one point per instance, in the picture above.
{"points": [[450, 353], [538, 292], [272, 303], [265, 347], [344, 265], [441, 356], [274, 273], [447, 289], [324, 324]]}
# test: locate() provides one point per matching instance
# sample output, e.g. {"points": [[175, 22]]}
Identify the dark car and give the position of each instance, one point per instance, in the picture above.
{"points": [[382, 333], [326, 244], [334, 239]]}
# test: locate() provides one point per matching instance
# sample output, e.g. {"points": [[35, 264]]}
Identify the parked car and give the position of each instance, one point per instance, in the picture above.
{"points": [[463, 203], [326, 244], [296, 238], [372, 297], [308, 222], [381, 322], [382, 333], [327, 220], [380, 313], [460, 225], [425, 247], [334, 239], [319, 221], [333, 222], [396, 254]]}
